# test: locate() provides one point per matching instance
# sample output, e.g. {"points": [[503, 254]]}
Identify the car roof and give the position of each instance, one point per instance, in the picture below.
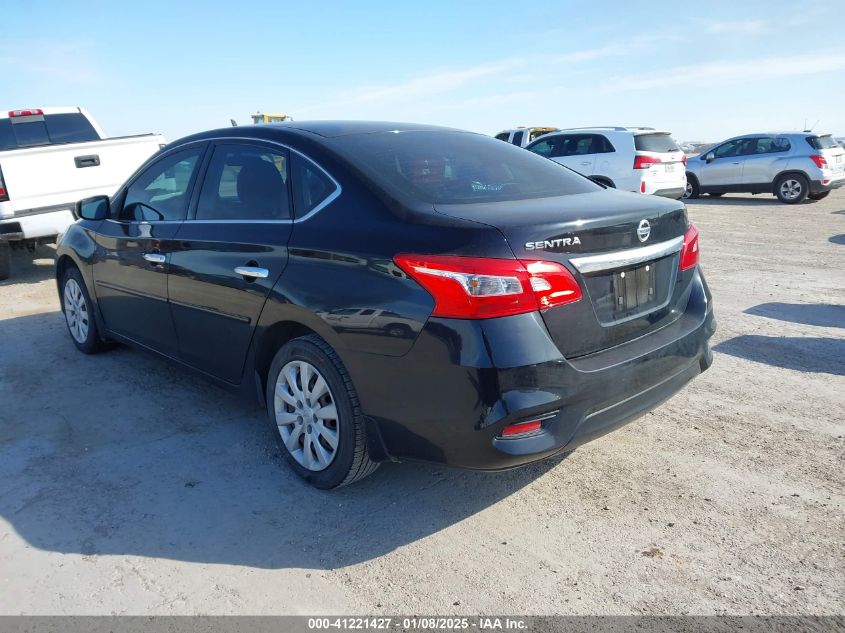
{"points": [[325, 129]]}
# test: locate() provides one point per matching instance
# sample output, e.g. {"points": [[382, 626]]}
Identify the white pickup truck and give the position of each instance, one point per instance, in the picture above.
{"points": [[49, 159]]}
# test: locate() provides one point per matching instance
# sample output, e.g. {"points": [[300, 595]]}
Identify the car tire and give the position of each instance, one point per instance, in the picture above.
{"points": [[5, 260], [691, 191], [79, 314], [319, 424], [812, 196], [792, 188]]}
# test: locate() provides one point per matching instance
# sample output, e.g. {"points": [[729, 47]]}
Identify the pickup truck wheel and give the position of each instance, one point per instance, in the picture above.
{"points": [[813, 196], [79, 315], [792, 188], [5, 260], [314, 409]]}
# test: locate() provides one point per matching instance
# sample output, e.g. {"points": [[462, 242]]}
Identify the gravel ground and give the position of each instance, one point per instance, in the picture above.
{"points": [[129, 486]]}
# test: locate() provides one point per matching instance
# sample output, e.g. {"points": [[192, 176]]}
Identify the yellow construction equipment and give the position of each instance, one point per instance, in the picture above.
{"points": [[261, 118]]}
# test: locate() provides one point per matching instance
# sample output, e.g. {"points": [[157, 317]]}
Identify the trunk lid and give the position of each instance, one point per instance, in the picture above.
{"points": [[632, 286]]}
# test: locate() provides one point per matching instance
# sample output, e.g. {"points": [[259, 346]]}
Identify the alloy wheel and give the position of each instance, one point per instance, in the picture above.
{"points": [[306, 415], [688, 190], [791, 189], [76, 311]]}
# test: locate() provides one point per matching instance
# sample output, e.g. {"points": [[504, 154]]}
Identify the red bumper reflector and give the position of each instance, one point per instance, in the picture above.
{"points": [[521, 429]]}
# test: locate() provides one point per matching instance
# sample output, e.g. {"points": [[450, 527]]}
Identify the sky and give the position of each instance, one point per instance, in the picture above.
{"points": [[702, 70]]}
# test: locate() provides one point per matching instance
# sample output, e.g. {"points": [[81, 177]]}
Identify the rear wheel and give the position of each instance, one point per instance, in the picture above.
{"points": [[792, 188], [5, 260], [79, 313], [315, 411], [691, 190], [813, 196]]}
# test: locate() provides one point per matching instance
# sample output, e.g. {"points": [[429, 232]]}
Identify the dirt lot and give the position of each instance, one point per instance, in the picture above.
{"points": [[129, 486]]}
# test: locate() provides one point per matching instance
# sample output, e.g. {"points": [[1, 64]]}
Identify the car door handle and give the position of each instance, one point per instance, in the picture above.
{"points": [[252, 271], [155, 258]]}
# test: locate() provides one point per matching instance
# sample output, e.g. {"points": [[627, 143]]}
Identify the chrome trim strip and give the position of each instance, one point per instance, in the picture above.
{"points": [[331, 198], [210, 310], [128, 291], [621, 259]]}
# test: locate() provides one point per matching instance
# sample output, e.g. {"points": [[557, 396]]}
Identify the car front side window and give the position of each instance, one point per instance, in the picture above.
{"points": [[732, 148], [162, 192]]}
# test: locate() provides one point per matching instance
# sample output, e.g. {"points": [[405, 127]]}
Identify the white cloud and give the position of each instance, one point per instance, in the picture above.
{"points": [[69, 62], [747, 26], [715, 73], [427, 85]]}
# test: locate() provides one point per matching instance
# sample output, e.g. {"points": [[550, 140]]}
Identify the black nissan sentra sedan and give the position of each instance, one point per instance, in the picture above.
{"points": [[395, 291]]}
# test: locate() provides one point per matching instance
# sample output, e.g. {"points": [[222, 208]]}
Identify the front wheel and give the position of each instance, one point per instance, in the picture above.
{"points": [[79, 314], [691, 190], [819, 196], [792, 188], [314, 409]]}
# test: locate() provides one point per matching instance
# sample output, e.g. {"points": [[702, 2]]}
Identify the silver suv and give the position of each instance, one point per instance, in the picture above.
{"points": [[791, 165]]}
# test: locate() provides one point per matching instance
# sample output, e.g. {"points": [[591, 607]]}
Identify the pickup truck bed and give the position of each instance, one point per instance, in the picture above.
{"points": [[40, 184]]}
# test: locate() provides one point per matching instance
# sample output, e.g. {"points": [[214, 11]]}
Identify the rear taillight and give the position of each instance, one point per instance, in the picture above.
{"points": [[4, 195], [31, 112], [819, 160], [689, 251], [684, 159], [646, 162], [483, 288]]}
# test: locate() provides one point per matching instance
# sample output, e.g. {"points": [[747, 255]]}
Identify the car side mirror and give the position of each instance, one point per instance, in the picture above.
{"points": [[710, 157], [95, 208]]}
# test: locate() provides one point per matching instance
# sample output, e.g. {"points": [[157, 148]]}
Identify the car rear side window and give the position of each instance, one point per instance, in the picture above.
{"points": [[245, 182], [162, 191], [311, 185], [661, 143], [457, 167], [771, 145], [822, 142], [517, 138]]}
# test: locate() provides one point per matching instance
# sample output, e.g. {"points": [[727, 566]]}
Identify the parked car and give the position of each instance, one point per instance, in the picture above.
{"points": [[49, 158], [522, 136], [632, 159], [790, 165], [542, 310]]}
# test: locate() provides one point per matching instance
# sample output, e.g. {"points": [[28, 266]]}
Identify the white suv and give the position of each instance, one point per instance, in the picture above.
{"points": [[630, 158]]}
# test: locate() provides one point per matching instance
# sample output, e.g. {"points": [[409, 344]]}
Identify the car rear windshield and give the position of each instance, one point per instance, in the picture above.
{"points": [[457, 167], [51, 129], [655, 143], [822, 142]]}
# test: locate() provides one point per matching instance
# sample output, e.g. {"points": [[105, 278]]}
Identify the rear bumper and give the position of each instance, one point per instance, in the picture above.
{"points": [[36, 224], [834, 181], [672, 192], [449, 398]]}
